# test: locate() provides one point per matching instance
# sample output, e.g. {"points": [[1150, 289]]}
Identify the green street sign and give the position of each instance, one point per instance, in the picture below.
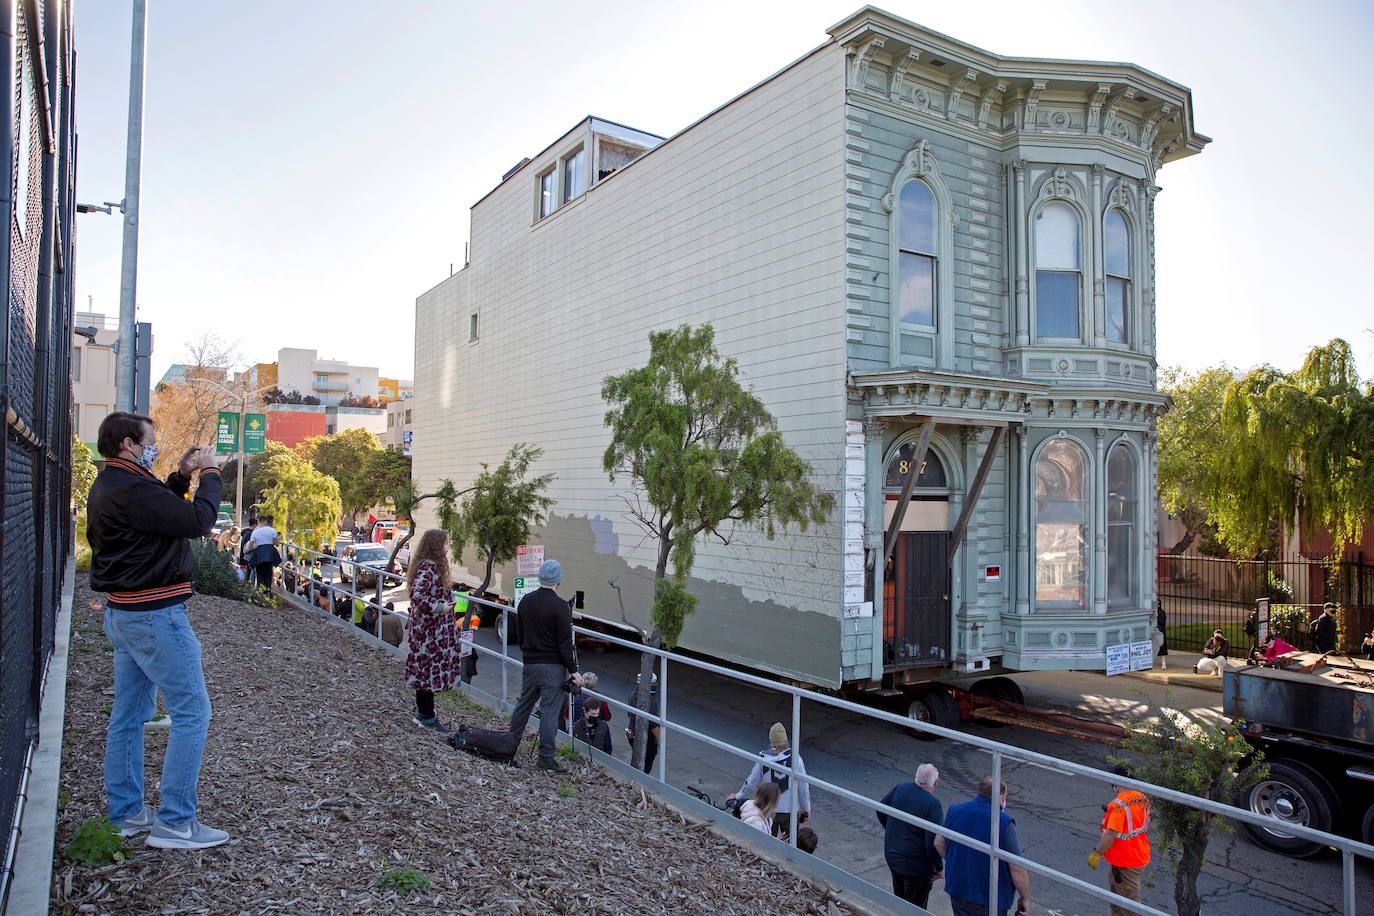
{"points": [[254, 433], [227, 432]]}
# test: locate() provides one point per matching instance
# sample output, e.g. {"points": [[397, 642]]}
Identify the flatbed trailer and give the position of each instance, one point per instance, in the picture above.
{"points": [[1313, 718]]}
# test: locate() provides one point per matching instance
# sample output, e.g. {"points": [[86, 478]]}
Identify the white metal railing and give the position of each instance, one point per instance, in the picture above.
{"points": [[1348, 848]]}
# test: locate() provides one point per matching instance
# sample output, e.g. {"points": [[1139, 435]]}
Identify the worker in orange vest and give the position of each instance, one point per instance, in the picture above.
{"points": [[466, 623], [1125, 843]]}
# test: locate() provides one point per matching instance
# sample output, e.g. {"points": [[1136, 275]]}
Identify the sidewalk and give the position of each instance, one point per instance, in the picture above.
{"points": [[1180, 673]]}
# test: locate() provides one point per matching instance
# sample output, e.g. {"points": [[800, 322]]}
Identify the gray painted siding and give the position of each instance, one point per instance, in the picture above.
{"points": [[877, 141], [738, 221]]}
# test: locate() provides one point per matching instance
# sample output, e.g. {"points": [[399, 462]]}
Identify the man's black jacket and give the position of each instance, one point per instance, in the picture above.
{"points": [[546, 636], [139, 529]]}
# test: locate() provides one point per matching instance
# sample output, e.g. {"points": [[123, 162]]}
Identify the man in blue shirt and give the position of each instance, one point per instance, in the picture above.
{"points": [[966, 870], [908, 849]]}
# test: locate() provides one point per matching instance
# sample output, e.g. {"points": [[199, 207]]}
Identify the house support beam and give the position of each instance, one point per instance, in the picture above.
{"points": [[956, 536], [918, 458]]}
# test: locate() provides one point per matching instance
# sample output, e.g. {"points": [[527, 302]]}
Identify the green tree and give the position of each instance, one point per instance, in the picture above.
{"points": [[1189, 457], [1295, 446], [343, 456], [385, 473], [303, 502], [83, 474], [704, 457], [1182, 751], [495, 516]]}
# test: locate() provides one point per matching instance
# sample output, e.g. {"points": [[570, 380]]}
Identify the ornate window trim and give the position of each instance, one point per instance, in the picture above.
{"points": [[1060, 186], [1136, 548], [1122, 199], [920, 165], [949, 459]]}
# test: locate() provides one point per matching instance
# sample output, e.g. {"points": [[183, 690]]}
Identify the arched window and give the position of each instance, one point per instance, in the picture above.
{"points": [[918, 247], [1058, 264], [1061, 526], [1121, 526], [1117, 248]]}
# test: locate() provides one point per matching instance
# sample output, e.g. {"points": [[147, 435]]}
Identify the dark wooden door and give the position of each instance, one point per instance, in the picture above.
{"points": [[916, 606]]}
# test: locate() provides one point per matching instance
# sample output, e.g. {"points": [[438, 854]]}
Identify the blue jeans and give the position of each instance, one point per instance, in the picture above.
{"points": [[545, 684], [155, 649]]}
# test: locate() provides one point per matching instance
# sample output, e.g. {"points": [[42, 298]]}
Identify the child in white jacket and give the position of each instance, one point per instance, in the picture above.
{"points": [[758, 812]]}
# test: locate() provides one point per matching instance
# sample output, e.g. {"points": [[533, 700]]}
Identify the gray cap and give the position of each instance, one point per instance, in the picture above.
{"points": [[550, 573]]}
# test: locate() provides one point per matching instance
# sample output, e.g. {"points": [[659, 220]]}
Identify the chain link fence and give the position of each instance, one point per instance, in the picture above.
{"points": [[35, 380]]}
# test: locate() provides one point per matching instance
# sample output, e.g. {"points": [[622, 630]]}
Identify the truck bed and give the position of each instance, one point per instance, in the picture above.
{"points": [[1328, 698]]}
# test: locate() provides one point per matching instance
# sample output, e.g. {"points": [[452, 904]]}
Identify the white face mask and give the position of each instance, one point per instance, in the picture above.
{"points": [[146, 459]]}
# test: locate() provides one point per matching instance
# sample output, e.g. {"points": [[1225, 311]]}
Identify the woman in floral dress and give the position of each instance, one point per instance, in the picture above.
{"points": [[432, 664]]}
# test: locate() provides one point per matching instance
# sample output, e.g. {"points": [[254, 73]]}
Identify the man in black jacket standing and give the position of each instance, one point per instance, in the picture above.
{"points": [[139, 530], [550, 657], [1324, 629], [910, 850]]}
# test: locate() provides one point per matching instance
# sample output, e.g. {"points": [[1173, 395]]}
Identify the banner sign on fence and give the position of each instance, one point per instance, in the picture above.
{"points": [[227, 432]]}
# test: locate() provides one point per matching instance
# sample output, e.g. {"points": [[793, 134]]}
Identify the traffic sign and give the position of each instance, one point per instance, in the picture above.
{"points": [[254, 433], [528, 559], [227, 432], [523, 586]]}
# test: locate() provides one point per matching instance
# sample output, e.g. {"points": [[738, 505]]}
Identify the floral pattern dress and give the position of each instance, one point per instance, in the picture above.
{"points": [[433, 661]]}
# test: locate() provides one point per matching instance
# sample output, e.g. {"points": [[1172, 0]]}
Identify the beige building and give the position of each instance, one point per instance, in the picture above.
{"points": [[93, 374]]}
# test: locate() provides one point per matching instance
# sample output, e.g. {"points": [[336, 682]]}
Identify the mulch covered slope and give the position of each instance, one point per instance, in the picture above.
{"points": [[325, 785]]}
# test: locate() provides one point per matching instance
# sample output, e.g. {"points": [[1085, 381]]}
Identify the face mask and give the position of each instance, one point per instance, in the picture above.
{"points": [[149, 455]]}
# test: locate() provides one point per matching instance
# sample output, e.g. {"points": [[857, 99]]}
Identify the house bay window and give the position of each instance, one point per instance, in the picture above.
{"points": [[1061, 527], [1121, 526], [1058, 270], [1117, 251]]}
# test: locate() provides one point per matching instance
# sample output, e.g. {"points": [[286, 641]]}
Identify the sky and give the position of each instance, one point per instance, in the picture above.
{"points": [[308, 166]]}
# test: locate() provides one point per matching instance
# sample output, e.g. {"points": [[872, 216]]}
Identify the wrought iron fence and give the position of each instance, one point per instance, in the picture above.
{"points": [[1199, 594], [35, 382]]}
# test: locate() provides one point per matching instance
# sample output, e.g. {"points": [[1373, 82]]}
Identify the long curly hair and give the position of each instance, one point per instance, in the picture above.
{"points": [[433, 546]]}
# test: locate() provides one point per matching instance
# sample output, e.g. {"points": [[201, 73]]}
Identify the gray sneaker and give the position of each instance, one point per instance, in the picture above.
{"points": [[190, 835], [139, 823]]}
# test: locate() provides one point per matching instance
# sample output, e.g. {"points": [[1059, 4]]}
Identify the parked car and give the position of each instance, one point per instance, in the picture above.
{"points": [[362, 563], [222, 523], [403, 558], [381, 531]]}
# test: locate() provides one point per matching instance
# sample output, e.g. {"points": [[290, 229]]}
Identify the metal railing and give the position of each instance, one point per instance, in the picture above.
{"points": [[999, 752]]}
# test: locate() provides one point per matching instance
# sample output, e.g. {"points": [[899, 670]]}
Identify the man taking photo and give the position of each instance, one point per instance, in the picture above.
{"points": [[139, 530], [550, 657]]}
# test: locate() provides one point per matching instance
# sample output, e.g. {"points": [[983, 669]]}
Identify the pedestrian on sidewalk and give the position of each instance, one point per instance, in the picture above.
{"points": [[266, 557], [140, 532], [1214, 653], [246, 548], [1125, 842], [908, 849], [550, 657], [966, 870], [432, 664], [779, 752], [1323, 629], [757, 812], [1161, 624]]}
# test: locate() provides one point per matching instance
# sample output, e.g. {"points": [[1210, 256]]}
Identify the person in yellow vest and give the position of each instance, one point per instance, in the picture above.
{"points": [[466, 622], [1125, 842]]}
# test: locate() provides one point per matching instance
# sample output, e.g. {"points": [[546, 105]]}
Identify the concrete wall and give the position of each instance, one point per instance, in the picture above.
{"points": [[737, 221]]}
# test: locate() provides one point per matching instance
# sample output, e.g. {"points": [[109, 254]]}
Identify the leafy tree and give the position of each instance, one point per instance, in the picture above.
{"points": [[385, 472], [83, 474], [343, 457], [186, 412], [303, 502], [704, 456], [1182, 751], [498, 511], [258, 475], [1189, 453], [1296, 446]]}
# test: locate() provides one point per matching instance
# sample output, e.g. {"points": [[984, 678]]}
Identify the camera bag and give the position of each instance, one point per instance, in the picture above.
{"points": [[483, 742]]}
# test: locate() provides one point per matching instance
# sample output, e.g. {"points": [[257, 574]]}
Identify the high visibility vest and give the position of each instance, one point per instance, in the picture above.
{"points": [[1128, 816], [460, 605]]}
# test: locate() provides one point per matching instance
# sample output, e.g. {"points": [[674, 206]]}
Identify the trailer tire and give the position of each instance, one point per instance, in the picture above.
{"points": [[1367, 829], [1294, 792], [934, 706]]}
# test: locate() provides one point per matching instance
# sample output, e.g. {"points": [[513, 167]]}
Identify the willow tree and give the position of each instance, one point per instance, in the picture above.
{"points": [[1189, 459], [303, 503], [705, 459], [1296, 447]]}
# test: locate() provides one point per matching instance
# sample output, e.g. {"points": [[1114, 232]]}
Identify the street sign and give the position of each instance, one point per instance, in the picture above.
{"points": [[406, 437], [528, 559], [227, 432], [254, 433], [523, 586]]}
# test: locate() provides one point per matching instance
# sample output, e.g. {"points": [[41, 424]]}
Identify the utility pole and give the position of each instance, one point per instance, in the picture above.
{"points": [[133, 174]]}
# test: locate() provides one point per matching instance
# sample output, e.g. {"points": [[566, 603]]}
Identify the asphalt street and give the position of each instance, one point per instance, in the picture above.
{"points": [[1057, 816]]}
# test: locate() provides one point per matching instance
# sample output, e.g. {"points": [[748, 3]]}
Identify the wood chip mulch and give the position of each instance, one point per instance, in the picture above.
{"points": [[325, 785]]}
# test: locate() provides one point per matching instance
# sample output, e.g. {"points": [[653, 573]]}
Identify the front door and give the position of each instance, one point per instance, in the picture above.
{"points": [[916, 605]]}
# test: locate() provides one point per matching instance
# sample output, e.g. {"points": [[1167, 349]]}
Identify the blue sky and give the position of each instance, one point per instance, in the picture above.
{"points": [[308, 165]]}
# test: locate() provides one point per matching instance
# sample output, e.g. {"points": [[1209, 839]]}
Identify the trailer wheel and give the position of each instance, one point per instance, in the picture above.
{"points": [[934, 706], [1367, 830], [1293, 793]]}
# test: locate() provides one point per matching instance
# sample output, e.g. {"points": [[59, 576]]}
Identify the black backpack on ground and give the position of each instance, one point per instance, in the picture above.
{"points": [[500, 746]]}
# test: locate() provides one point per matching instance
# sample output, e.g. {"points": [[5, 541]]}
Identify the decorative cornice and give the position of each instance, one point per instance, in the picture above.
{"points": [[1095, 107], [899, 70], [861, 57], [1110, 125], [1032, 105], [956, 92], [990, 95], [1122, 195]]}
